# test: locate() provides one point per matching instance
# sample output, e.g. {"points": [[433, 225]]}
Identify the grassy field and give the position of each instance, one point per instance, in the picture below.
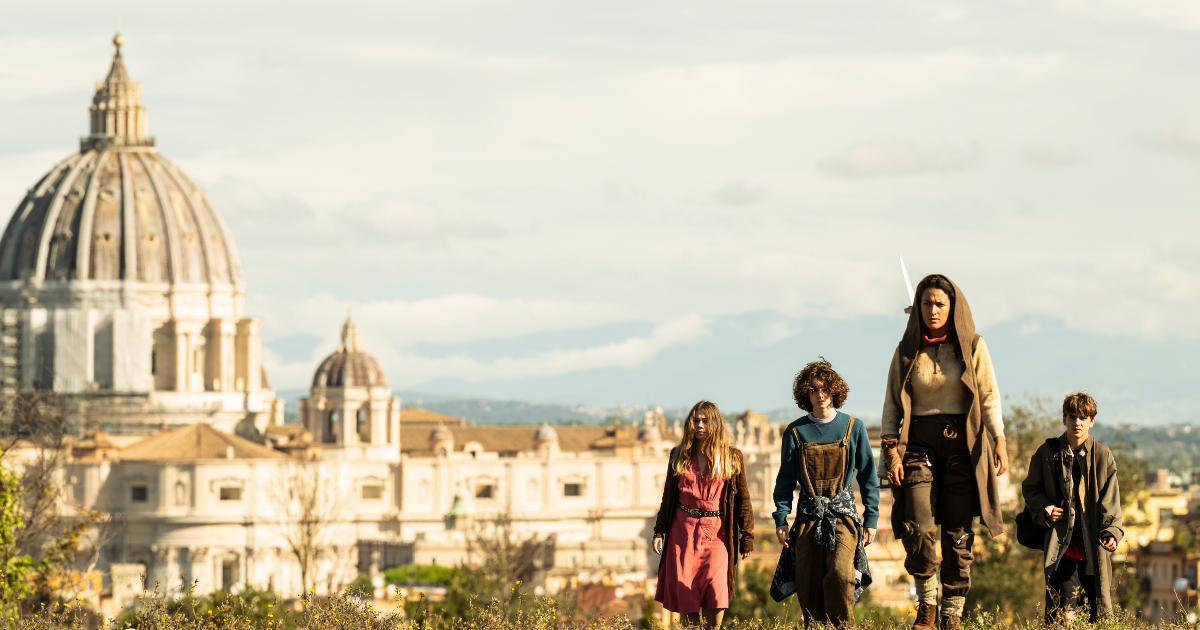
{"points": [[261, 611]]}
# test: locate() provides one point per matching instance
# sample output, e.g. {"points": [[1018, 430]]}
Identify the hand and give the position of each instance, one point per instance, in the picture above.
{"points": [[868, 536], [1108, 542], [1001, 456], [1055, 515], [745, 555], [658, 544], [782, 534], [896, 475]]}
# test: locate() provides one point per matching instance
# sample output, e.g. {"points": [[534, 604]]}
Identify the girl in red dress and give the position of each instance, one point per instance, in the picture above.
{"points": [[705, 524]]}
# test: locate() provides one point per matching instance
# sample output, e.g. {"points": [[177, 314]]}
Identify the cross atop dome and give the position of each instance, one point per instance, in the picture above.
{"points": [[117, 115]]}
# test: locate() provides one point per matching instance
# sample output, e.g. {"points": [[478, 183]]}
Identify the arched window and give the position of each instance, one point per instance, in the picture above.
{"points": [[364, 425], [333, 421]]}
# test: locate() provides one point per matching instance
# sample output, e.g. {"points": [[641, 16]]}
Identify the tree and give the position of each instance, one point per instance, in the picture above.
{"points": [[506, 557], [310, 510], [42, 534]]}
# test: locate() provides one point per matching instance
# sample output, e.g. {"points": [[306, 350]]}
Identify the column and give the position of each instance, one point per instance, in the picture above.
{"points": [[248, 368], [200, 571], [160, 573], [221, 359]]}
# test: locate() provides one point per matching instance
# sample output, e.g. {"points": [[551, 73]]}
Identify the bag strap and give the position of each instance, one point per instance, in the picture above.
{"points": [[801, 469], [849, 426]]}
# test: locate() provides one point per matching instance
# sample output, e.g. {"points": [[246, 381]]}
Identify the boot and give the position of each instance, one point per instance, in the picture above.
{"points": [[926, 617], [951, 622]]}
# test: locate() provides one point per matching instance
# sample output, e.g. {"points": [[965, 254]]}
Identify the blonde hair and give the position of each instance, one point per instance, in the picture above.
{"points": [[715, 446]]}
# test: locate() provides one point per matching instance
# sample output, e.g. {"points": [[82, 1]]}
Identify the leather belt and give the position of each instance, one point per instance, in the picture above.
{"points": [[953, 422], [697, 513]]}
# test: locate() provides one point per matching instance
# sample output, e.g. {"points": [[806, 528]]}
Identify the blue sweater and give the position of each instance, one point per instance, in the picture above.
{"points": [[861, 460]]}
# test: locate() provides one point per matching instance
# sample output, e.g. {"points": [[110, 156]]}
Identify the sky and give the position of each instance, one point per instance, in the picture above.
{"points": [[616, 179]]}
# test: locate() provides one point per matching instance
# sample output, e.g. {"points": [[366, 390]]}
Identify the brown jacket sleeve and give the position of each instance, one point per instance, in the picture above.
{"points": [[1036, 489], [662, 522], [1110, 500], [744, 509], [893, 406]]}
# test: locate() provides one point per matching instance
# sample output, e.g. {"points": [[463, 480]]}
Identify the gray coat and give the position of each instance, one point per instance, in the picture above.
{"points": [[1050, 480]]}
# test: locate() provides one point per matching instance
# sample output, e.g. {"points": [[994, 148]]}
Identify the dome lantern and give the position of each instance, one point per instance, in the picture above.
{"points": [[118, 118]]}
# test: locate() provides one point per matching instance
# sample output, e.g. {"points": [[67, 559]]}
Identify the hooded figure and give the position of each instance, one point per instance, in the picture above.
{"points": [[942, 402]]}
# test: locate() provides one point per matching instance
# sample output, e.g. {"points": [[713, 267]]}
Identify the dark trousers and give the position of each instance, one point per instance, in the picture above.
{"points": [[940, 493], [1069, 588]]}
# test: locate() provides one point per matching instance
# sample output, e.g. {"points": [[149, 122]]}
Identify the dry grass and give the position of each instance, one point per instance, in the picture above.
{"points": [[349, 612]]}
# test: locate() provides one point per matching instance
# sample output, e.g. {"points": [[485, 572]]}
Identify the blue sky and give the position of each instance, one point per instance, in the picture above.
{"points": [[622, 177]]}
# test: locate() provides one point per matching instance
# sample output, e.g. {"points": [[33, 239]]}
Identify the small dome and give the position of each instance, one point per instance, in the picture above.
{"points": [[440, 433], [545, 433], [349, 366]]}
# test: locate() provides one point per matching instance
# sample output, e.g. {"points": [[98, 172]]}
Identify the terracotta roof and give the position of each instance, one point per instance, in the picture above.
{"points": [[288, 430], [197, 441], [416, 415], [414, 439], [615, 437]]}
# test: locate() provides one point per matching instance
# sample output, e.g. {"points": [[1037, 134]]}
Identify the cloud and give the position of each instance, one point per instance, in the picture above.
{"points": [[1048, 156], [450, 318], [627, 353], [389, 328], [1182, 138], [280, 221], [1175, 14], [737, 194], [397, 218], [899, 157]]}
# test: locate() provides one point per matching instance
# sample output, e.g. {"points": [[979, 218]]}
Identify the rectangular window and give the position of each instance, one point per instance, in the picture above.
{"points": [[373, 491], [572, 489], [231, 494], [228, 574], [139, 494], [484, 491]]}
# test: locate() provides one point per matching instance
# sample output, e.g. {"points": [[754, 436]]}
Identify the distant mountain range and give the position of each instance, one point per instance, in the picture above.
{"points": [[489, 411], [748, 361]]}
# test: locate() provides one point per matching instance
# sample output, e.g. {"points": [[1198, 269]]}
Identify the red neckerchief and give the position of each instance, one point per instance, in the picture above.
{"points": [[927, 342]]}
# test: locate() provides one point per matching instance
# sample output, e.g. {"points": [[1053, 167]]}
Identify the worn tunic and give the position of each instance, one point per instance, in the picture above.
{"points": [[695, 563]]}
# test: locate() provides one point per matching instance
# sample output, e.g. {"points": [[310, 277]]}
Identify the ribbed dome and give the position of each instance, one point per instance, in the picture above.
{"points": [[349, 366], [440, 433], [118, 210]]}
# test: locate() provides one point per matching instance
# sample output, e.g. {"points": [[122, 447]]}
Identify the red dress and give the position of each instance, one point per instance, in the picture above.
{"points": [[695, 561]]}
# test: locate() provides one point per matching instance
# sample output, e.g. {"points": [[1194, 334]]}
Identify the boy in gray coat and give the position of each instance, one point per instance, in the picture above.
{"points": [[1072, 489]]}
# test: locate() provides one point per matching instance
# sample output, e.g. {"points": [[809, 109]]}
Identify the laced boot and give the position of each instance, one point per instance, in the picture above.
{"points": [[926, 617], [951, 622]]}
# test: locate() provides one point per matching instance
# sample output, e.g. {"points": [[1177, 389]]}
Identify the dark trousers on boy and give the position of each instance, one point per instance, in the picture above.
{"points": [[1070, 588]]}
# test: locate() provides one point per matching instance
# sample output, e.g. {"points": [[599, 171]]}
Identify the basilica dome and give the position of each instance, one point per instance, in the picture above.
{"points": [[117, 210], [121, 287], [349, 366]]}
